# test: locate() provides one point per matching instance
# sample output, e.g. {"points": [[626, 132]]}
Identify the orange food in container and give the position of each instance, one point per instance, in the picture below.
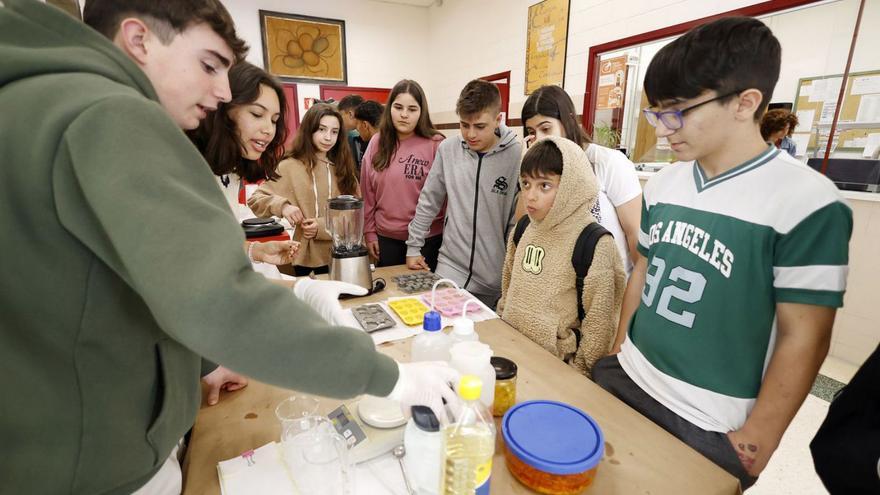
{"points": [[552, 447]]}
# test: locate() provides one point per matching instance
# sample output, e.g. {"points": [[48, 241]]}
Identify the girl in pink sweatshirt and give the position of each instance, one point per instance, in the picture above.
{"points": [[393, 171]]}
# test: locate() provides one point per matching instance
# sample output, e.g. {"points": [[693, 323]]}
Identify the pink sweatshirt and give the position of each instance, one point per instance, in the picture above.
{"points": [[390, 196]]}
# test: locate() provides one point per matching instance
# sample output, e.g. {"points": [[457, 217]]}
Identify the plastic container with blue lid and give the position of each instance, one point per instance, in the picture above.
{"points": [[552, 447]]}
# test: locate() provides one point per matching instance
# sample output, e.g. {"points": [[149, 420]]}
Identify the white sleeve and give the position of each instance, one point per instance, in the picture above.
{"points": [[617, 175]]}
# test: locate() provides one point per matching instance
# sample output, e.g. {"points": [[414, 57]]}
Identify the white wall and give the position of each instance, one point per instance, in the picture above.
{"points": [[470, 39], [384, 42]]}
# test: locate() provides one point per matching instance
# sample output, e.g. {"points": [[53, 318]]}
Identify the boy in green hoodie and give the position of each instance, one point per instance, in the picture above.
{"points": [[539, 282], [122, 265]]}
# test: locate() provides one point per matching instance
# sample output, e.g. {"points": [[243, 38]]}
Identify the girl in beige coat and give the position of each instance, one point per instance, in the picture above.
{"points": [[318, 167]]}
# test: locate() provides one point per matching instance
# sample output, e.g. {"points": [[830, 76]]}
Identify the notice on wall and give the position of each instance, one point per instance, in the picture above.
{"points": [[612, 83], [547, 35], [805, 119], [869, 109], [865, 85], [827, 114], [818, 90]]}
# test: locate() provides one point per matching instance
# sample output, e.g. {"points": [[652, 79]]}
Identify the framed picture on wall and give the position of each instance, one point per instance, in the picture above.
{"points": [[547, 38], [299, 48]]}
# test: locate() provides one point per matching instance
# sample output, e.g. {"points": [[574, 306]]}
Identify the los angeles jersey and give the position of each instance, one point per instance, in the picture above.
{"points": [[721, 253]]}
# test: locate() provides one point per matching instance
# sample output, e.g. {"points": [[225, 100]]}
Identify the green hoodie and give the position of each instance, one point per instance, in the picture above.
{"points": [[121, 266]]}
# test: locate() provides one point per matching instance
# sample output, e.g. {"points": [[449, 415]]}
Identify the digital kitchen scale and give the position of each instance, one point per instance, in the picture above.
{"points": [[371, 426]]}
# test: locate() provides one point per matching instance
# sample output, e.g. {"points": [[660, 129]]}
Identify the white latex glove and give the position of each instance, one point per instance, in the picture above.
{"points": [[427, 383], [323, 297]]}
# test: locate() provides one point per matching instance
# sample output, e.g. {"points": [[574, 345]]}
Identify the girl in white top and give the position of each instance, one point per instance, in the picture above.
{"points": [[243, 142], [549, 111]]}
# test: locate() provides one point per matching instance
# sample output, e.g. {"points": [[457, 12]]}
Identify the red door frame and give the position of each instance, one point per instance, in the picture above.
{"points": [[367, 93], [292, 116], [757, 9], [505, 89]]}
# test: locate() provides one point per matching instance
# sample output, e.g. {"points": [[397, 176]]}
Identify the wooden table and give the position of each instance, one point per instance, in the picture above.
{"points": [[640, 457]]}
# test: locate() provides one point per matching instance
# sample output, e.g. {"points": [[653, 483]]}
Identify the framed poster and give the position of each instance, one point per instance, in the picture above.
{"points": [[299, 48], [612, 83], [547, 37]]}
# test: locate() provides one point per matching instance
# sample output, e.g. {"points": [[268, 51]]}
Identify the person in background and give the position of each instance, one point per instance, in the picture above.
{"points": [[539, 284], [846, 449], [396, 166], [549, 111], [356, 144], [368, 115], [776, 128], [136, 275], [728, 312], [318, 167], [476, 175], [243, 141]]}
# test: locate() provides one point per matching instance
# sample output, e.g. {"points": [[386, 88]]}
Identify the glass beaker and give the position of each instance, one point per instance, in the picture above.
{"points": [[295, 408], [317, 456]]}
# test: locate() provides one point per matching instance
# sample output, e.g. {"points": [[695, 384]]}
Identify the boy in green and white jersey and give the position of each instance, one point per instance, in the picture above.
{"points": [[728, 315]]}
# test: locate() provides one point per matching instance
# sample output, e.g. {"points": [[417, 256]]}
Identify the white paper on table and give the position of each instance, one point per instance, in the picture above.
{"points": [[869, 109], [801, 141], [817, 92], [379, 476], [864, 85], [805, 119], [259, 471], [401, 331], [871, 145], [827, 114]]}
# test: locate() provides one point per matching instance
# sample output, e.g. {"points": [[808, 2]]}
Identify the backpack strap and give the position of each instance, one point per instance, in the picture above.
{"points": [[520, 228], [581, 259]]}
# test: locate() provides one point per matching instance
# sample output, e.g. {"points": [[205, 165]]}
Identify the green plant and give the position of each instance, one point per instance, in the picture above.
{"points": [[605, 135]]}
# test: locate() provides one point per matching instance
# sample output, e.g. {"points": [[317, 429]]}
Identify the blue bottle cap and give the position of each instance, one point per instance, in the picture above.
{"points": [[553, 437], [432, 321]]}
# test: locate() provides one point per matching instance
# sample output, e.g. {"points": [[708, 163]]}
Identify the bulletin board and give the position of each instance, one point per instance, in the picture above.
{"points": [[546, 44], [815, 104]]}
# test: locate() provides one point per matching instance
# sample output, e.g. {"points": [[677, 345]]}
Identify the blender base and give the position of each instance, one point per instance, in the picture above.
{"points": [[352, 269]]}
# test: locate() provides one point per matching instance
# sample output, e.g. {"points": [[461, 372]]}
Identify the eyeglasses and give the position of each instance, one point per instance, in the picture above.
{"points": [[674, 119]]}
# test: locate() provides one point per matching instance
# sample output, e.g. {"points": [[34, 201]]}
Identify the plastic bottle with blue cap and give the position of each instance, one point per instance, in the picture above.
{"points": [[432, 344]]}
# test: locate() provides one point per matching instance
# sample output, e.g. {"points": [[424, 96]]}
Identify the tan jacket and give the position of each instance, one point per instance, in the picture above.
{"points": [[297, 186], [538, 281]]}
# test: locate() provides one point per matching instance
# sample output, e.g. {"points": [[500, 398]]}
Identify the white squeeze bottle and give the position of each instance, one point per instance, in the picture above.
{"points": [[432, 344], [468, 445], [475, 358], [463, 327]]}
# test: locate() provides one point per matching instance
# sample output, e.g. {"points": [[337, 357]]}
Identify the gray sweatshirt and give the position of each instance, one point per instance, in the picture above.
{"points": [[480, 194]]}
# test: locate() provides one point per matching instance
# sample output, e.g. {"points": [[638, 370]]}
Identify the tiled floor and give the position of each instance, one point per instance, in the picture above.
{"points": [[791, 468]]}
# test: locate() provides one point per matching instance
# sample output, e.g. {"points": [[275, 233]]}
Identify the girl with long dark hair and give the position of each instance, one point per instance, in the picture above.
{"points": [[394, 169]]}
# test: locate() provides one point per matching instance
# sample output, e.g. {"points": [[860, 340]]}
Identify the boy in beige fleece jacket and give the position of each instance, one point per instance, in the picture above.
{"points": [[538, 280]]}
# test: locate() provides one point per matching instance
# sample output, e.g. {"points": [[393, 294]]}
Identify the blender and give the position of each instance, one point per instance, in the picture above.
{"points": [[349, 259]]}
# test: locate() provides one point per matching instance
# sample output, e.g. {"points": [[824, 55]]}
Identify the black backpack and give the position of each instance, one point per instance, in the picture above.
{"points": [[581, 259]]}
